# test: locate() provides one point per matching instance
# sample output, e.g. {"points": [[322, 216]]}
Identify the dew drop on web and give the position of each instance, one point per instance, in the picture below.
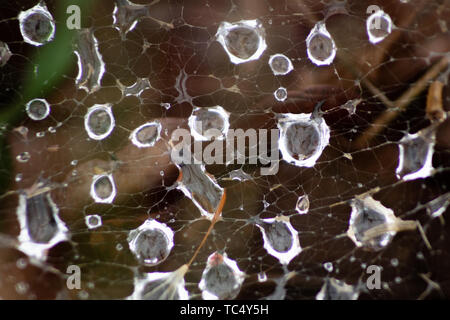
{"points": [[320, 45], [151, 242], [334, 289], [302, 205], [302, 138], [37, 25], [91, 67], [23, 157], [146, 135], [243, 41], [208, 123], [379, 26], [366, 214], [40, 225], [127, 14], [5, 54], [99, 121], [201, 188], [221, 279], [37, 109], [416, 155], [280, 64], [103, 188], [280, 94], [93, 221], [280, 238]]}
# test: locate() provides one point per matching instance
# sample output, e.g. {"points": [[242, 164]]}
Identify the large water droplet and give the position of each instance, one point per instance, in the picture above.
{"points": [[302, 138], [90, 62], [320, 45], [302, 205], [243, 41], [280, 94], [99, 121], [379, 26], [221, 278], [127, 14], [37, 109], [366, 214], [280, 64], [146, 135], [37, 25], [416, 155], [280, 238], [40, 226], [209, 123], [151, 242]]}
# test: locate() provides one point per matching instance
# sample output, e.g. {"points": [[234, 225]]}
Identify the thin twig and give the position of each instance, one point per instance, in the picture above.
{"points": [[400, 104]]}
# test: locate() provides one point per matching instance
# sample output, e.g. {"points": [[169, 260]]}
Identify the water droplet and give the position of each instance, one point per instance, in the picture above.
{"points": [[366, 214], [302, 205], [280, 238], [161, 286], [146, 135], [320, 45], [93, 221], [5, 54], [221, 278], [90, 62], [40, 226], [416, 155], [151, 242], [136, 89], [437, 206], [127, 14], [280, 64], [99, 121], [37, 25], [280, 94], [243, 41], [103, 189], [201, 188], [302, 138], [262, 277], [334, 289], [37, 109], [209, 123], [328, 266], [379, 26], [23, 157]]}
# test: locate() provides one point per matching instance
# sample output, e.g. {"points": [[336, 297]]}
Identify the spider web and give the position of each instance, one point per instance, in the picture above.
{"points": [[174, 46]]}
